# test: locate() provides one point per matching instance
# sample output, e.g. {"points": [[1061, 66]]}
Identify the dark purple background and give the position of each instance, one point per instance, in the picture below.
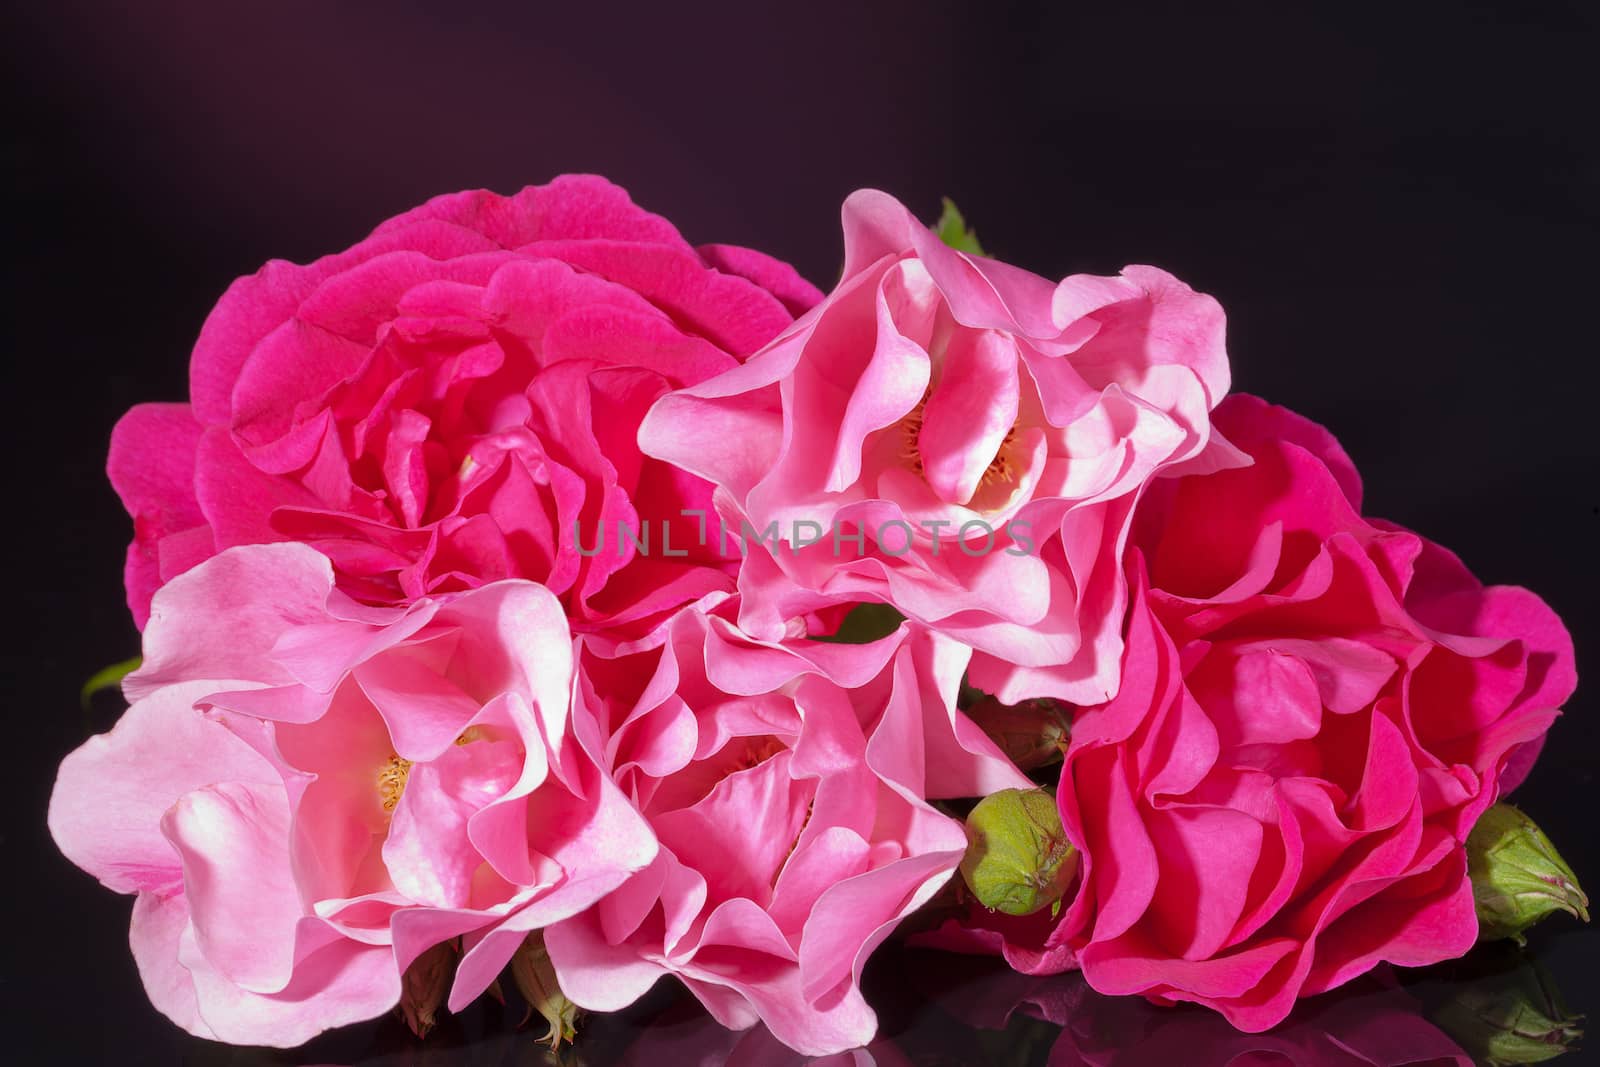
{"points": [[1397, 205]]}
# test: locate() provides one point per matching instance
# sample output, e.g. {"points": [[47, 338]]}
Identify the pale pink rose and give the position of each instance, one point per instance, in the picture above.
{"points": [[1316, 709], [983, 431], [788, 785], [440, 405], [307, 793]]}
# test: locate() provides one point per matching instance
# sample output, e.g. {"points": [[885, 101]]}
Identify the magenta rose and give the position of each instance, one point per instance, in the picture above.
{"points": [[453, 402], [1316, 709], [961, 439], [308, 793], [788, 787]]}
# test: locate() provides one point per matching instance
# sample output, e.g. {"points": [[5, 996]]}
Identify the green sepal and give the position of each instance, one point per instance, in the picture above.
{"points": [[107, 678], [952, 230]]}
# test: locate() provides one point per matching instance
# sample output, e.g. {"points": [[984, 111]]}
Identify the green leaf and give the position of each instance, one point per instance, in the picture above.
{"points": [[865, 624], [107, 678], [952, 230], [969, 694]]}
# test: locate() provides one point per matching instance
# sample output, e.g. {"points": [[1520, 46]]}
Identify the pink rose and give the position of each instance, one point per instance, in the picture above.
{"points": [[786, 784], [308, 793], [958, 438], [1316, 709], [441, 405]]}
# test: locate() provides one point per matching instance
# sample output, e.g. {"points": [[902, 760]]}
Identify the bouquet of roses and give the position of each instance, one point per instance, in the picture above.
{"points": [[527, 592]]}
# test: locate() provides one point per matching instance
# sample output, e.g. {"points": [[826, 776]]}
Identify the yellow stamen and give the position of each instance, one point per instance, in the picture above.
{"points": [[757, 751], [811, 806], [999, 470], [392, 781], [396, 771], [910, 431]]}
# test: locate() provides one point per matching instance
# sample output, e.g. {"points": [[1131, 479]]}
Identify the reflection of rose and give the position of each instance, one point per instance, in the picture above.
{"points": [[1381, 1028], [1372, 1023], [986, 433], [437, 406], [1316, 709], [697, 1040]]}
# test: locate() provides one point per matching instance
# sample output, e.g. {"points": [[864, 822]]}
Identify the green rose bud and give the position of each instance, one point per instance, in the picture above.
{"points": [[536, 979], [1032, 734], [1513, 1017], [1518, 877], [423, 987], [1018, 858]]}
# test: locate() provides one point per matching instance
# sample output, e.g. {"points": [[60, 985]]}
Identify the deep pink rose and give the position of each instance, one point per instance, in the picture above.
{"points": [[1316, 708], [961, 439], [308, 793], [788, 786], [439, 406]]}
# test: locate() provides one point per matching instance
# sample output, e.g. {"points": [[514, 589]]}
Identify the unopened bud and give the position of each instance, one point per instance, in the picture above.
{"points": [[1518, 877], [536, 979], [1513, 1017], [1032, 734], [423, 987], [1018, 857]]}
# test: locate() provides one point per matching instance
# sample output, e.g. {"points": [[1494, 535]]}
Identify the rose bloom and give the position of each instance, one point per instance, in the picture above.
{"points": [[439, 406], [1316, 709], [307, 793], [788, 786], [961, 439]]}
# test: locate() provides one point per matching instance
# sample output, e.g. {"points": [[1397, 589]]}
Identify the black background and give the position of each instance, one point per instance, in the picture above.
{"points": [[1396, 204]]}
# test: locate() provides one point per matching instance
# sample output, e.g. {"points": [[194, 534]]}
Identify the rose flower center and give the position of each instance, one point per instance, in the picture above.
{"points": [[999, 470], [396, 770]]}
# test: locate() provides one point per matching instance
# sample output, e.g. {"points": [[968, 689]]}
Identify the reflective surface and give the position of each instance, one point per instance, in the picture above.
{"points": [[1398, 214], [939, 1009]]}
